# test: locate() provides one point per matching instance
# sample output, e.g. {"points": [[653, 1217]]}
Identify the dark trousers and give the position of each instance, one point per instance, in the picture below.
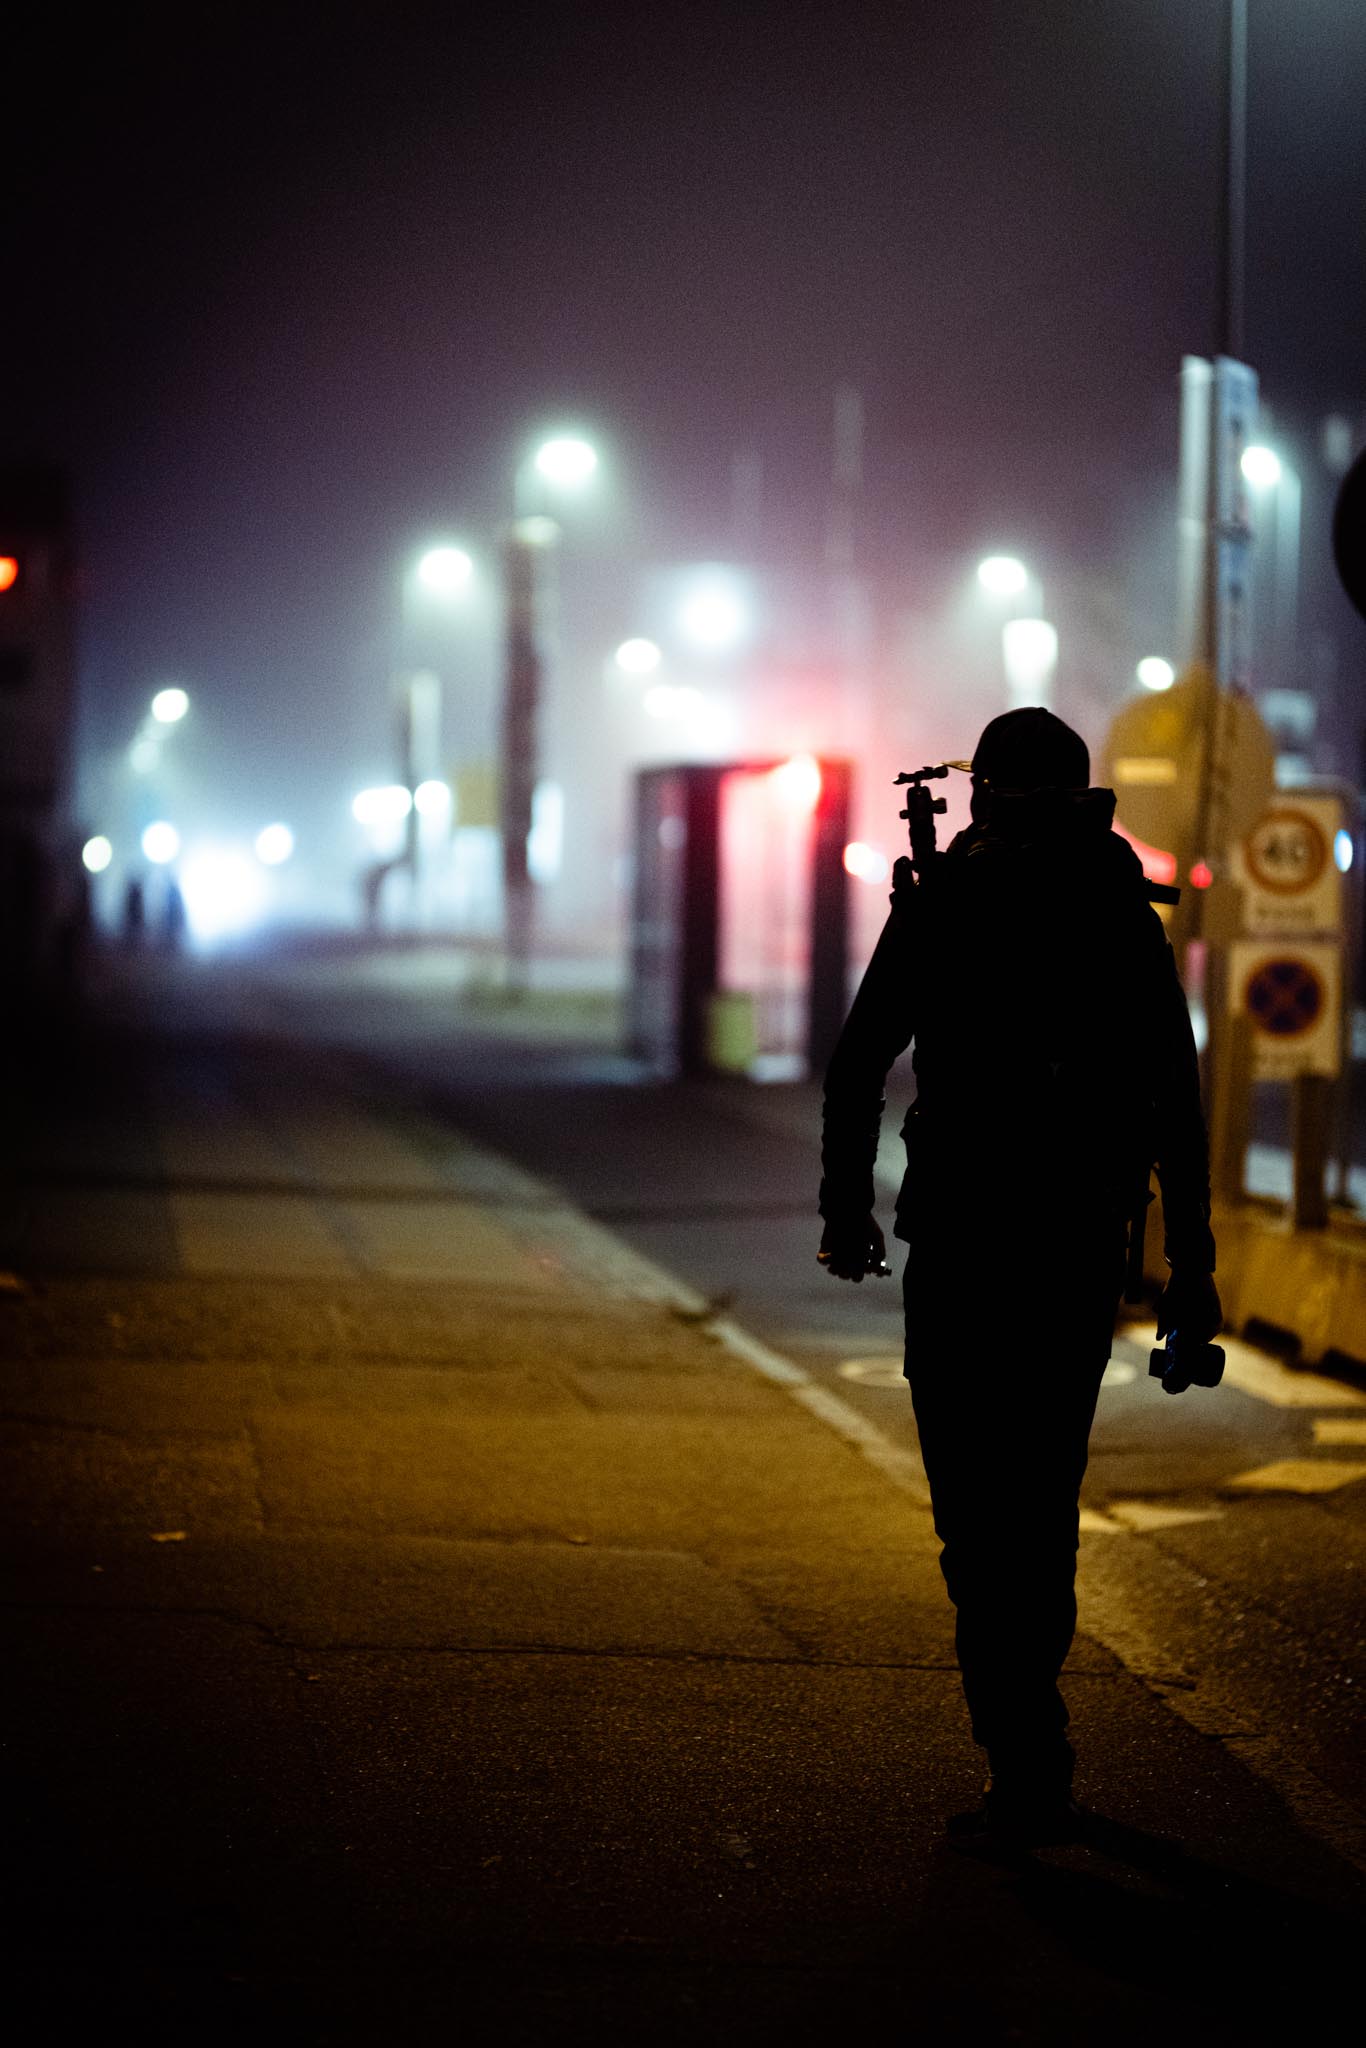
{"points": [[1005, 1361]]}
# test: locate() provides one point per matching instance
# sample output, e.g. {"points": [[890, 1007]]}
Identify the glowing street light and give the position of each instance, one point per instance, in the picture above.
{"points": [[1261, 466], [432, 799], [445, 571], [1030, 650], [1154, 673], [865, 863], [1002, 575], [170, 706], [637, 657], [274, 845], [565, 461], [97, 853], [161, 843], [388, 805]]}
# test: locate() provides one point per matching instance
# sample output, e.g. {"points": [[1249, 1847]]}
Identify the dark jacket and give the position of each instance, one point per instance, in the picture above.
{"points": [[1053, 1055]]}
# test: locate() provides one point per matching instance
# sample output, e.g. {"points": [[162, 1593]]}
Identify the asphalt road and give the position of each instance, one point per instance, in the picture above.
{"points": [[420, 1627], [1243, 1599]]}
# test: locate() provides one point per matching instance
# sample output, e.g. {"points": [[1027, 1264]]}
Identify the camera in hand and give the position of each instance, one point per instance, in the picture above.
{"points": [[1181, 1364]]}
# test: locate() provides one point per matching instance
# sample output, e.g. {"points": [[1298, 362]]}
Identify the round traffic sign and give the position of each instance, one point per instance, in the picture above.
{"points": [[1286, 852], [1285, 998]]}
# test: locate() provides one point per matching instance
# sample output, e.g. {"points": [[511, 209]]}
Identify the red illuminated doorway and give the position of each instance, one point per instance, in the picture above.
{"points": [[740, 927]]}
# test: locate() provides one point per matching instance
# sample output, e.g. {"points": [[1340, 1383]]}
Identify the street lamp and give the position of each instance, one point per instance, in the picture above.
{"points": [[445, 571], [566, 462], [1261, 466], [161, 843], [1002, 575], [169, 706], [637, 657]]}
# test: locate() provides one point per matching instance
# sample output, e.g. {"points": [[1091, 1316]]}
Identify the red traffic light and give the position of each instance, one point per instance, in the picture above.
{"points": [[9, 572]]}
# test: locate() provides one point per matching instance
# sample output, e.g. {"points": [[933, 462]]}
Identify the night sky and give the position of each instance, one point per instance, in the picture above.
{"points": [[286, 283]]}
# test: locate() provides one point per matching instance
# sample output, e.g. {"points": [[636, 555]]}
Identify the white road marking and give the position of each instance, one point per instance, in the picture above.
{"points": [[1340, 1429], [873, 1372], [1302, 1475], [1143, 1515]]}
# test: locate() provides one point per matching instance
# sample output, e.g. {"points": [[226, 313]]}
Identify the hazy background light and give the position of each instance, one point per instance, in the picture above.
{"points": [[1343, 850], [1154, 673], [274, 844], [161, 843], [714, 616], [566, 461], [545, 840], [144, 754], [637, 657], [538, 530], [170, 706], [432, 799], [1261, 466], [388, 805], [445, 571], [97, 854], [798, 781], [671, 700], [865, 863], [1002, 575], [1030, 650], [224, 891]]}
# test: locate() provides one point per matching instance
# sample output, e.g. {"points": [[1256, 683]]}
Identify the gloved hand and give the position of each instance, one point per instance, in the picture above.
{"points": [[1190, 1303], [849, 1250]]}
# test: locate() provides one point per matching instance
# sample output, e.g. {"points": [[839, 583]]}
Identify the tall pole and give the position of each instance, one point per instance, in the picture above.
{"points": [[1232, 398], [1233, 209]]}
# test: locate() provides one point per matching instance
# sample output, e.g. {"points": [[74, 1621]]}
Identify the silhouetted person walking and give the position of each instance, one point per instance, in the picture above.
{"points": [[1054, 1065]]}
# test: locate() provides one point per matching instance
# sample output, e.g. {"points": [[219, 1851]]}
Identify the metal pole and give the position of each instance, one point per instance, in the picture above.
{"points": [[1233, 209]]}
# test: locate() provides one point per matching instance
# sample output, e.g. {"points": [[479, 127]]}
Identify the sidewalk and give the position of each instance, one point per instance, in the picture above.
{"points": [[425, 1629]]}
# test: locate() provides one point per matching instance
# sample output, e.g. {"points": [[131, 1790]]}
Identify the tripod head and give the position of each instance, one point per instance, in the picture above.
{"points": [[922, 809]]}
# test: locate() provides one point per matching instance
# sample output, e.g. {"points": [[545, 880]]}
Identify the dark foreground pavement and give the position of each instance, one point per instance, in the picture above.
{"points": [[419, 1627]]}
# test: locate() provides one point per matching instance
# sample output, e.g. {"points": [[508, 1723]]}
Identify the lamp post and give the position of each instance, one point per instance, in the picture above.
{"points": [[562, 464], [440, 577]]}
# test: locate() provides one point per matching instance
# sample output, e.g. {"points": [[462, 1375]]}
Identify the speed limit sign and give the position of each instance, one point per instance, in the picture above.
{"points": [[1285, 864], [1286, 851]]}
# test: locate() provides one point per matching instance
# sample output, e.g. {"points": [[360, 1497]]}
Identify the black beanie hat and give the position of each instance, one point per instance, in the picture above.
{"points": [[1031, 749]]}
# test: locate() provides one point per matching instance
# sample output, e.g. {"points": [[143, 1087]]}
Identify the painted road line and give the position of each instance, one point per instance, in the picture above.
{"points": [[872, 1372], [1340, 1429], [1145, 1515], [1302, 1475]]}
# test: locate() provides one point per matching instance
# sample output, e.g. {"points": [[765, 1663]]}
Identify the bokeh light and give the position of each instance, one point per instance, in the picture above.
{"points": [[637, 657], [161, 843], [274, 844], [170, 706]]}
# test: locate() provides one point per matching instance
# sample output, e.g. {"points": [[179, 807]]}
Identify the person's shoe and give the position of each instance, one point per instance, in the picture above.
{"points": [[1013, 1823]]}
